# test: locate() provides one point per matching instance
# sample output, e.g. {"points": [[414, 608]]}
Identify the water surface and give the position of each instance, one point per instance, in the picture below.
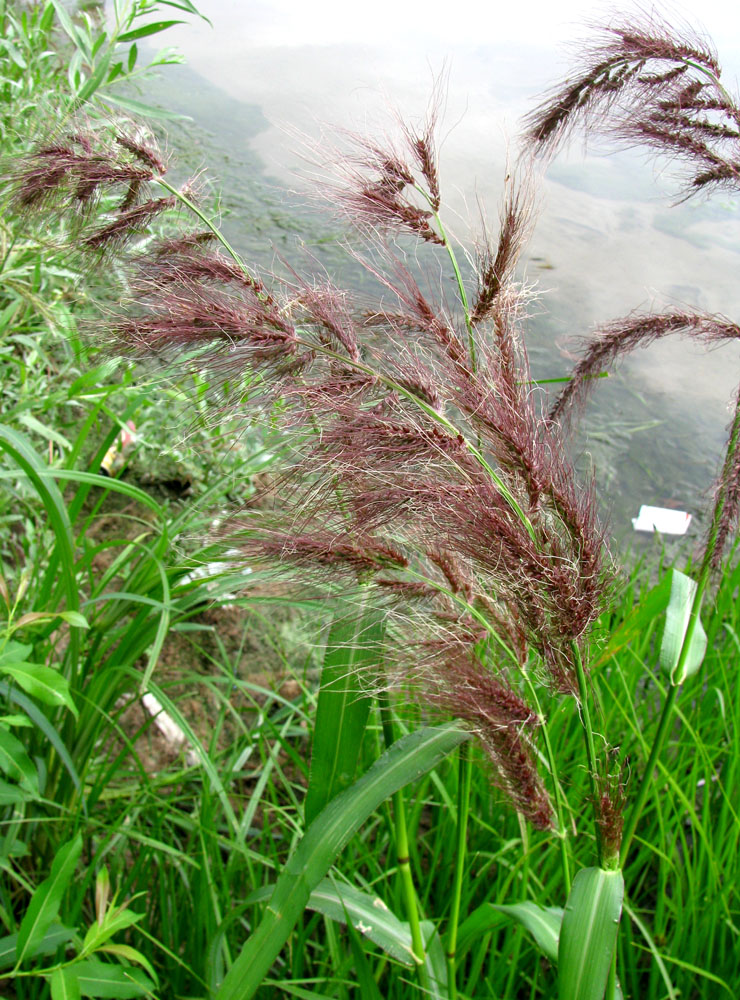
{"points": [[608, 240]]}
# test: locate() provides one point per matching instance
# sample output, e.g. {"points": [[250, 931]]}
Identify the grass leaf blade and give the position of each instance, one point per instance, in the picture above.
{"points": [[343, 709], [408, 759], [588, 933]]}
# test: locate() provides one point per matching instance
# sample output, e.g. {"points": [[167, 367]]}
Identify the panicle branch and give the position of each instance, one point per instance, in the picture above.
{"points": [[649, 85], [77, 173], [623, 336]]}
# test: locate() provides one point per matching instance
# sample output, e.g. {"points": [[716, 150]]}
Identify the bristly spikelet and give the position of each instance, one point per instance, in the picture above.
{"points": [[649, 86], [75, 173], [622, 336]]}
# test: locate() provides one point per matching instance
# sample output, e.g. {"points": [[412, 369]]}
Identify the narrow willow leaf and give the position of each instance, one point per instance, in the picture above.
{"points": [[368, 915], [99, 979], [44, 906], [408, 759], [588, 933], [343, 708], [65, 984], [137, 107], [683, 589], [147, 29]]}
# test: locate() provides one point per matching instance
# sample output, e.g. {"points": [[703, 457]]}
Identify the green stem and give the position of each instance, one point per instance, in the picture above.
{"points": [[441, 232], [211, 226], [464, 774], [402, 854], [588, 735], [704, 572], [461, 290], [559, 798], [644, 790]]}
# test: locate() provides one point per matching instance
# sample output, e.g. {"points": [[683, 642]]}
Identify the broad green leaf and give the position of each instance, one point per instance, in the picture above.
{"points": [[343, 708], [365, 980], [588, 933], [101, 979], [38, 718], [15, 651], [368, 915], [98, 934], [55, 935], [44, 906], [62, 561], [131, 955], [16, 763], [41, 682], [542, 923], [435, 961], [651, 606], [15, 720], [74, 618], [409, 758], [12, 794], [65, 984], [677, 621]]}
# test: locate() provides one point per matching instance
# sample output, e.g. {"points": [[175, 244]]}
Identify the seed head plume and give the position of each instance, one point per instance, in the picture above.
{"points": [[648, 85], [389, 188], [623, 336], [422, 470], [77, 171]]}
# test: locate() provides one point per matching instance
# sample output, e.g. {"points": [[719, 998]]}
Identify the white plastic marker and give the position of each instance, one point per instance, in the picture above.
{"points": [[167, 726], [662, 519]]}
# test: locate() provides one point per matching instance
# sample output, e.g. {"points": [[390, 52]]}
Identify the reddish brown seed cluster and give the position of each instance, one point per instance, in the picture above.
{"points": [[73, 173], [623, 336], [649, 86], [421, 462]]}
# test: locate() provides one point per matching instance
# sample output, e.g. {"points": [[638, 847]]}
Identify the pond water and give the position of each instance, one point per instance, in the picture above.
{"points": [[608, 239]]}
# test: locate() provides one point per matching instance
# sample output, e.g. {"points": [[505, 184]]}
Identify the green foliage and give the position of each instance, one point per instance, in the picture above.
{"points": [[588, 933], [343, 708]]}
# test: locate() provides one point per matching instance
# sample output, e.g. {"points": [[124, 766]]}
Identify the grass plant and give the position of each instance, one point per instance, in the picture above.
{"points": [[336, 841]]}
